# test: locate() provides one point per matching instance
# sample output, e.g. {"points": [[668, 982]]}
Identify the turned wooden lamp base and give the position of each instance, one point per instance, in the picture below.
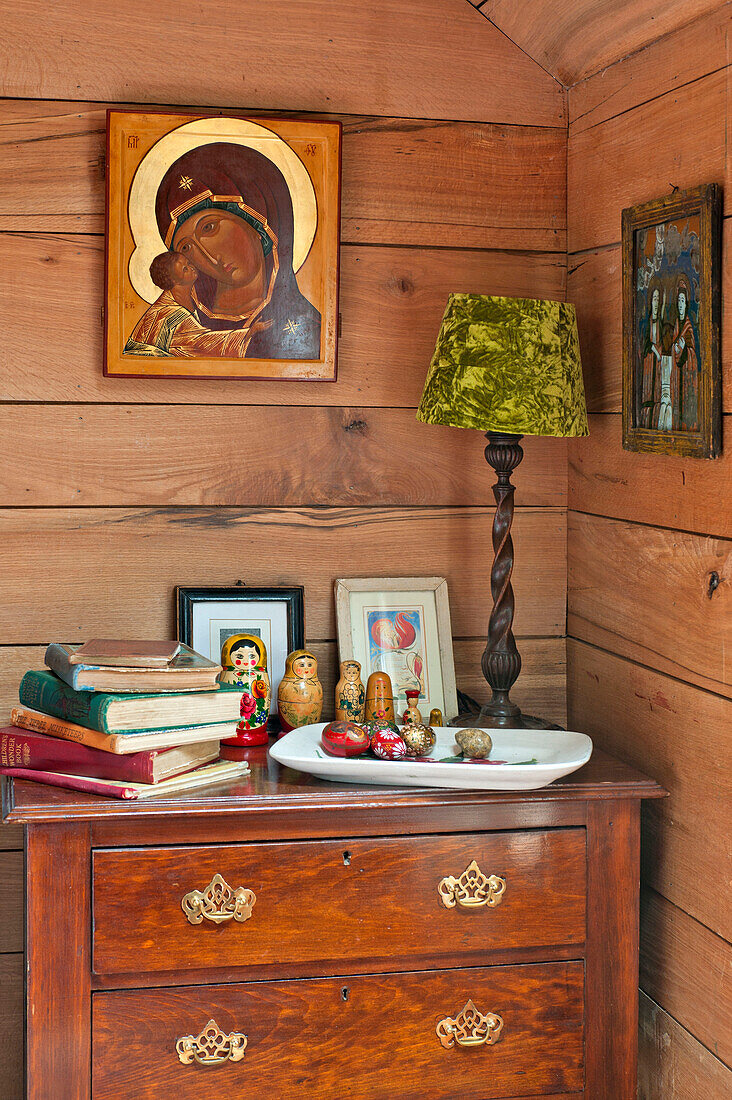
{"points": [[501, 661], [484, 719]]}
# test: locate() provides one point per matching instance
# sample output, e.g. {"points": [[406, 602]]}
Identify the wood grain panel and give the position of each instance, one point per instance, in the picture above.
{"points": [[680, 736], [322, 456], [673, 1063], [385, 57], [661, 490], [58, 988], [369, 907], [594, 285], [11, 1026], [306, 1038], [114, 570], [667, 64], [686, 968], [644, 592], [478, 195], [611, 1014], [540, 689], [573, 41], [12, 878], [676, 140], [392, 301], [11, 836]]}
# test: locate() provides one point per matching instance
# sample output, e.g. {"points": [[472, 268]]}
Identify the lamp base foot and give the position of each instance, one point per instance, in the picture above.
{"points": [[483, 719]]}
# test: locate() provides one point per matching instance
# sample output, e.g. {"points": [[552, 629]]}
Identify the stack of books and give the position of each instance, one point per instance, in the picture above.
{"points": [[123, 719]]}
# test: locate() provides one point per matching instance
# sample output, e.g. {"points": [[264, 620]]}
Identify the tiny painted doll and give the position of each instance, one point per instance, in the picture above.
{"points": [[412, 715], [349, 694], [244, 661], [379, 697], [300, 695]]}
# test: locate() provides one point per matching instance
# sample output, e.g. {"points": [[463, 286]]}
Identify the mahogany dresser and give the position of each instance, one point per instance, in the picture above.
{"points": [[285, 937]]}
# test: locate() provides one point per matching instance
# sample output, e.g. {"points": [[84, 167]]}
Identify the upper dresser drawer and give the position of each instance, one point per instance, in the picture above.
{"points": [[337, 902]]}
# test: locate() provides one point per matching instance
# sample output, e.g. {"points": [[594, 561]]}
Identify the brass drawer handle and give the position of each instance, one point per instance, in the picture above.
{"points": [[470, 1028], [212, 1047], [218, 903], [472, 890]]}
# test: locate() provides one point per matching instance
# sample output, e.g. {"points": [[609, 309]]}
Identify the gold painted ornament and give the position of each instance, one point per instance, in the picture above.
{"points": [[436, 718], [420, 740], [475, 744]]}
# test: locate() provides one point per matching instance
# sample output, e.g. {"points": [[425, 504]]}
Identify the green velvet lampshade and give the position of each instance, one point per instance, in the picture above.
{"points": [[506, 365]]}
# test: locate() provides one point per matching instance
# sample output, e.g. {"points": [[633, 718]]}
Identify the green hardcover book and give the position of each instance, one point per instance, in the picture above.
{"points": [[107, 713]]}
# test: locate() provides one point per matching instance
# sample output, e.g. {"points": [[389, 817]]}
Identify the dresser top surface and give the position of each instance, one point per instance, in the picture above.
{"points": [[271, 787]]}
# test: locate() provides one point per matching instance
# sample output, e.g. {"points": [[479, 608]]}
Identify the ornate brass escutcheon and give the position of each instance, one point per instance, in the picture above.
{"points": [[470, 1028], [212, 1047], [218, 903], [472, 890]]}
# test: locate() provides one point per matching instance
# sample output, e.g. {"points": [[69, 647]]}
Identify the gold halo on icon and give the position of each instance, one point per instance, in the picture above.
{"points": [[206, 131]]}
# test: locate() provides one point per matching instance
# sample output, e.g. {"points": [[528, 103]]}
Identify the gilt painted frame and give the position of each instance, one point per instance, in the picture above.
{"points": [[672, 377], [222, 246]]}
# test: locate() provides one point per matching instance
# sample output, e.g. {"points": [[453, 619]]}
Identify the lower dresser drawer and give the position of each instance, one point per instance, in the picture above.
{"points": [[379, 1036]]}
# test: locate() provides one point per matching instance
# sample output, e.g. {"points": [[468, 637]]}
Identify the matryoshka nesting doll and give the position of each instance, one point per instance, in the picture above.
{"points": [[349, 693], [244, 660], [300, 695], [379, 697]]}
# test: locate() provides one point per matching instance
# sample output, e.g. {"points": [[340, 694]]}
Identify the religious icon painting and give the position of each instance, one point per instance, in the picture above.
{"points": [[672, 379], [222, 246]]}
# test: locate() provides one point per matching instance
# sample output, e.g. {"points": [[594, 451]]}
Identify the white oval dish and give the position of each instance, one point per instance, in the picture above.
{"points": [[556, 752]]}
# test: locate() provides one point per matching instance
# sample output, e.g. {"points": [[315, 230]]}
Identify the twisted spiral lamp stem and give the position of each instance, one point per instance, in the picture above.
{"points": [[501, 661]]}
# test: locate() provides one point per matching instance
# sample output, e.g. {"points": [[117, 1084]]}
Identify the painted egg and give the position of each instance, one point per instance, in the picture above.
{"points": [[388, 745], [344, 739], [420, 740], [380, 725]]}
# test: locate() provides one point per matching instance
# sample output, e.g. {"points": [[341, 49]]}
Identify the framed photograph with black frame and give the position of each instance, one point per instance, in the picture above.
{"points": [[672, 375], [206, 617]]}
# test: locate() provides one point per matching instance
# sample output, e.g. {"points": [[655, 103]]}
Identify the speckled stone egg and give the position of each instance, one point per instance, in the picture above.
{"points": [[420, 740], [476, 744]]}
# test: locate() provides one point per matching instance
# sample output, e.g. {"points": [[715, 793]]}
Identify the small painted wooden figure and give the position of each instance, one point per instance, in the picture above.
{"points": [[300, 695], [436, 717], [412, 715], [244, 661], [350, 696], [379, 697]]}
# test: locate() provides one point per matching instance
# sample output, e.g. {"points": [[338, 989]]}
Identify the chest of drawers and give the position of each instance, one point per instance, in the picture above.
{"points": [[283, 937]]}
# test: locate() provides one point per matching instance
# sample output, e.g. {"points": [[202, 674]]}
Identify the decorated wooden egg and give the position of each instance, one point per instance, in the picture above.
{"points": [[379, 725], [388, 745], [344, 739], [420, 740]]}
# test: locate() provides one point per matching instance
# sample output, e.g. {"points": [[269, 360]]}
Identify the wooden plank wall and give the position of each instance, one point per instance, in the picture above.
{"points": [[649, 671], [113, 491]]}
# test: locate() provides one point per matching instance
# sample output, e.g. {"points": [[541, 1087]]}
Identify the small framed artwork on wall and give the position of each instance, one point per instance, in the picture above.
{"points": [[207, 617], [222, 246], [672, 379], [401, 626]]}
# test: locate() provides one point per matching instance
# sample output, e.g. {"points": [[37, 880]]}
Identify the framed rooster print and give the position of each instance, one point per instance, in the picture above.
{"points": [[672, 379], [400, 626], [222, 246]]}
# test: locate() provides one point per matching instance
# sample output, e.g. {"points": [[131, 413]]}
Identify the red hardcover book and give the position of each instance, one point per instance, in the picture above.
{"points": [[221, 771], [20, 748]]}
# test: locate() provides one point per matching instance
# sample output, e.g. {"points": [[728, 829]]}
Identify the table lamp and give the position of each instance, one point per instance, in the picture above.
{"points": [[509, 367]]}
